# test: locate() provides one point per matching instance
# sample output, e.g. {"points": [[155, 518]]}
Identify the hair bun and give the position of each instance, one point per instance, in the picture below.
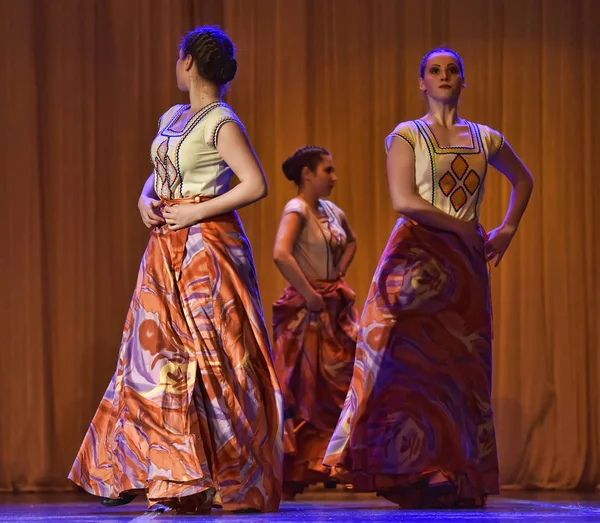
{"points": [[290, 169], [227, 70], [308, 156], [213, 52]]}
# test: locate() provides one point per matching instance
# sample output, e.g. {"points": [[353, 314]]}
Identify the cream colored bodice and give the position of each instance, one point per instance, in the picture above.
{"points": [[184, 154], [450, 178], [322, 240]]}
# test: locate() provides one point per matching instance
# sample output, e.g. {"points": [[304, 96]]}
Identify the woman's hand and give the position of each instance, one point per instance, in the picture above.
{"points": [[149, 211], [470, 235], [336, 273], [497, 242], [315, 303], [181, 215]]}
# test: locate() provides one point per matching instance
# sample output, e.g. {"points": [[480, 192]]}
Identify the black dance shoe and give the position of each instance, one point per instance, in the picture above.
{"points": [[123, 499]]}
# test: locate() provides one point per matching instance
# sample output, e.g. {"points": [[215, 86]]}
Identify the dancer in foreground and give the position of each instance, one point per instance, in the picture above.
{"points": [[315, 321], [417, 426], [193, 414]]}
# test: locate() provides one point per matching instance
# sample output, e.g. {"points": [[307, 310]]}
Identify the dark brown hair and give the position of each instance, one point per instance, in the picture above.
{"points": [[309, 156], [213, 53]]}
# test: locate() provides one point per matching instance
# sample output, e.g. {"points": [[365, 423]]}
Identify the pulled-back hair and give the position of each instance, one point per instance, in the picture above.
{"points": [[213, 53], [309, 156]]}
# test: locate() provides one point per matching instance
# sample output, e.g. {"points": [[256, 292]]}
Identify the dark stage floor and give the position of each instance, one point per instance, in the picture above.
{"points": [[338, 506]]}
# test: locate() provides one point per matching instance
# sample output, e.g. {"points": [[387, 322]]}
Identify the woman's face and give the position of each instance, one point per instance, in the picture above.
{"points": [[182, 71], [442, 80], [322, 180]]}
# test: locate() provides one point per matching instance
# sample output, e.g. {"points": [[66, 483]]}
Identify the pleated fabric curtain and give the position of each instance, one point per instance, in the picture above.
{"points": [[83, 84]]}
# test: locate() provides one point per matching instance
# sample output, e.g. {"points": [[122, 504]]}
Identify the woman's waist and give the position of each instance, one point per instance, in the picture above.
{"points": [[336, 294], [229, 216], [403, 218], [323, 287], [323, 282], [433, 242], [315, 265], [188, 199]]}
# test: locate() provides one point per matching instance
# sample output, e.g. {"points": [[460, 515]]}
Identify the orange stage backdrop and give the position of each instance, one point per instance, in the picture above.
{"points": [[82, 84]]}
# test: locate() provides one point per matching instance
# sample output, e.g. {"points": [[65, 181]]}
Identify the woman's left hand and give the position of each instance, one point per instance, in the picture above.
{"points": [[181, 215], [497, 242], [338, 273]]}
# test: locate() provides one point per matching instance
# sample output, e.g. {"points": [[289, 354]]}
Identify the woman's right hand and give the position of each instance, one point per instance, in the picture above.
{"points": [[148, 211], [315, 303], [470, 235]]}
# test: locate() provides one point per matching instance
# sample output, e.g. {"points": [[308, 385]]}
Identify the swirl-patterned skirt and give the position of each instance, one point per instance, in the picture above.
{"points": [[419, 404], [314, 358], [194, 403]]}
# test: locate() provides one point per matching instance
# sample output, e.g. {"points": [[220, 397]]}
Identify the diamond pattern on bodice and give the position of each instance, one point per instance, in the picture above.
{"points": [[454, 182]]}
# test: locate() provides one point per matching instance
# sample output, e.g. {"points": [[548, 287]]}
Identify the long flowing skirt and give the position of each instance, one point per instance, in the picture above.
{"points": [[419, 403], [194, 404], [314, 358]]}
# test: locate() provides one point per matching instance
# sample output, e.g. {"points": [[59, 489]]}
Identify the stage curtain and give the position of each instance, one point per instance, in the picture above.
{"points": [[82, 84]]}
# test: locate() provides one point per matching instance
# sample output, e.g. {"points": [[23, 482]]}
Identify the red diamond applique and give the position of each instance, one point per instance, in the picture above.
{"points": [[447, 183], [458, 198], [472, 181], [459, 166]]}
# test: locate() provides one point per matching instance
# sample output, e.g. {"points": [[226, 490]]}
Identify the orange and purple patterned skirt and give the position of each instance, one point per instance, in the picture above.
{"points": [[314, 358], [419, 405], [194, 405]]}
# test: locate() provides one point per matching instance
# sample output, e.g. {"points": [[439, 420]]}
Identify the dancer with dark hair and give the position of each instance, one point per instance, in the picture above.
{"points": [[193, 415], [417, 426], [315, 320]]}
